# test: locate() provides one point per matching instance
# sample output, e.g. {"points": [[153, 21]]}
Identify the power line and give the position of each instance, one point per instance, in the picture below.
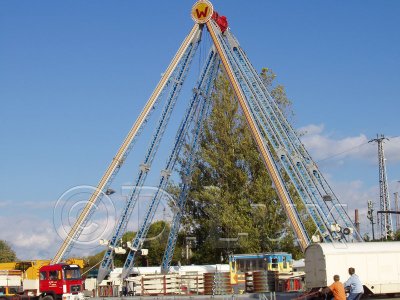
{"points": [[340, 153], [350, 149]]}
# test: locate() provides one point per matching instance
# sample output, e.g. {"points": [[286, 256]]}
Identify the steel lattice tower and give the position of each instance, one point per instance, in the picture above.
{"points": [[384, 201]]}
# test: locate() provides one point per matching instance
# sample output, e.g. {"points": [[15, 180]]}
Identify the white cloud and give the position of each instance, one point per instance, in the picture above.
{"points": [[31, 237], [324, 146], [4, 204], [312, 129], [37, 232], [392, 149]]}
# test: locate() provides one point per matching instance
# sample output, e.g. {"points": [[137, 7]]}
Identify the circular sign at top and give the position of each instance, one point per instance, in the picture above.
{"points": [[202, 11]]}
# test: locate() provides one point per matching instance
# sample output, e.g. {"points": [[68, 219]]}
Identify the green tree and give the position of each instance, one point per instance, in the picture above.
{"points": [[232, 206], [92, 262], [277, 91], [156, 242], [157, 239], [7, 254]]}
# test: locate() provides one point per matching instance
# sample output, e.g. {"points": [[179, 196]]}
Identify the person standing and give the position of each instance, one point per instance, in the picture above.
{"points": [[336, 288], [354, 285]]}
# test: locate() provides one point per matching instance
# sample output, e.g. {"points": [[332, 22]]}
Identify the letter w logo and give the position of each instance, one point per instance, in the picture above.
{"points": [[201, 14]]}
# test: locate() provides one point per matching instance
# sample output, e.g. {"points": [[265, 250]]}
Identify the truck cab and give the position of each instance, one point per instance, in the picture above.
{"points": [[60, 282]]}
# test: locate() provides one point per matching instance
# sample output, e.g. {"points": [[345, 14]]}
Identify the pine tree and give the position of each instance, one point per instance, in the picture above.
{"points": [[232, 206]]}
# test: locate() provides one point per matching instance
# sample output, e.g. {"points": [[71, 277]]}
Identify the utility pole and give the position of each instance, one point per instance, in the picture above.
{"points": [[370, 216], [384, 219], [396, 206], [356, 220]]}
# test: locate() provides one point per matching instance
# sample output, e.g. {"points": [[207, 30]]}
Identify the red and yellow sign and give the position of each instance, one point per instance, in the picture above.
{"points": [[202, 11]]}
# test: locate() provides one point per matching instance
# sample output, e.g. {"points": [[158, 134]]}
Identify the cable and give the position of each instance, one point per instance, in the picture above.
{"points": [[92, 267], [340, 153], [348, 150]]}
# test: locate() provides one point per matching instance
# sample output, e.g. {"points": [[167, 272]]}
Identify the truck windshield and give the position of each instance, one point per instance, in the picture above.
{"points": [[72, 274]]}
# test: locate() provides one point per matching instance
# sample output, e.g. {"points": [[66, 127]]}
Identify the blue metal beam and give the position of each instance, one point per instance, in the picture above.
{"points": [[178, 145], [290, 152], [205, 91]]}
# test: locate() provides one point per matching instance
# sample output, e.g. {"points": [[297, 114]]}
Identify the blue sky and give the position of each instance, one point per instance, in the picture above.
{"points": [[75, 75]]}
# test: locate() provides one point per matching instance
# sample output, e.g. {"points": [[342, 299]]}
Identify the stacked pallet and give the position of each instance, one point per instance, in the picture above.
{"points": [[217, 283]]}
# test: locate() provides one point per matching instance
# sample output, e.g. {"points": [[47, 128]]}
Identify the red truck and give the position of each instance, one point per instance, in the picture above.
{"points": [[56, 282], [60, 282]]}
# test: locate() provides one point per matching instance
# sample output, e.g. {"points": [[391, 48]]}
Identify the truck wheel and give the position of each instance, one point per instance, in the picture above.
{"points": [[47, 297]]}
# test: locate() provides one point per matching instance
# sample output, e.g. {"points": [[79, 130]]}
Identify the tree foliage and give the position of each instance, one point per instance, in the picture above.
{"points": [[7, 254], [277, 92], [232, 205], [397, 235]]}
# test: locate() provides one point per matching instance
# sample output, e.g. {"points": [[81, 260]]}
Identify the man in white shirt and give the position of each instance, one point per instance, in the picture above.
{"points": [[354, 285]]}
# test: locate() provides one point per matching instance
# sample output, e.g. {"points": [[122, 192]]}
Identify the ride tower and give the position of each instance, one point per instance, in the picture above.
{"points": [[281, 150]]}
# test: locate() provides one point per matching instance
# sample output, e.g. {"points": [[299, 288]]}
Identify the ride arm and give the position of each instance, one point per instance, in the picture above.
{"points": [[118, 160], [262, 146]]}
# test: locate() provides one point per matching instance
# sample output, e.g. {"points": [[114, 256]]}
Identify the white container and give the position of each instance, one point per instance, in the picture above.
{"points": [[376, 263]]}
